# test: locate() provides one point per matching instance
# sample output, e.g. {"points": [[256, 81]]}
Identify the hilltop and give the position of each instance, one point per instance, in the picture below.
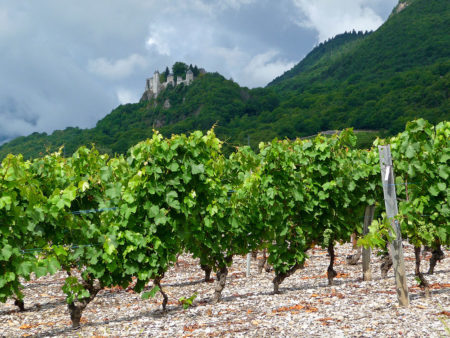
{"points": [[370, 81]]}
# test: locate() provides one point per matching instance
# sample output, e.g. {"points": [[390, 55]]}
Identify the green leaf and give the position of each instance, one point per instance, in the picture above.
{"points": [[173, 166], [284, 231], [53, 265], [351, 186], [444, 172], [105, 173], [198, 169], [160, 219], [410, 151], [6, 252], [24, 269], [59, 250], [5, 201], [150, 294], [434, 190], [128, 197], [109, 247], [82, 294], [153, 211], [114, 191], [83, 186], [70, 193], [323, 195], [40, 270], [442, 233]]}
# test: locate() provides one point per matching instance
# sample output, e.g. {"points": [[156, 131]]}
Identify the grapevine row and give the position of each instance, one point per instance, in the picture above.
{"points": [[181, 194]]}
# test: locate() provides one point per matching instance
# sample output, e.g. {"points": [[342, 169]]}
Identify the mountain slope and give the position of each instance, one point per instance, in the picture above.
{"points": [[322, 55], [399, 72], [209, 100], [375, 81]]}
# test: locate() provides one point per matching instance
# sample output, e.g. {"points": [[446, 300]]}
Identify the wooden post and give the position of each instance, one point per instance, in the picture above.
{"points": [[390, 200], [368, 218], [249, 256]]}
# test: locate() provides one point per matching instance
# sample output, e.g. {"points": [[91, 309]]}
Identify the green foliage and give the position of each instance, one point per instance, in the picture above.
{"points": [[377, 81], [20, 214], [179, 69], [187, 302], [74, 290], [422, 161], [152, 293], [380, 233], [170, 195], [422, 156]]}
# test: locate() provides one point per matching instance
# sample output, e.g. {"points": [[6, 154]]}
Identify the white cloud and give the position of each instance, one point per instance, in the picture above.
{"points": [[206, 7], [160, 36], [5, 22], [125, 96], [117, 69], [263, 68], [232, 58], [234, 4], [329, 17]]}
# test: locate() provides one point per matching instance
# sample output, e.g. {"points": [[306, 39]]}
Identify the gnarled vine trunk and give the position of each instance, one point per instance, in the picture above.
{"points": [[20, 304], [157, 282], [423, 284], [221, 280], [330, 271], [280, 277], [353, 259], [437, 255], [386, 263], [262, 261], [207, 269], [77, 307]]}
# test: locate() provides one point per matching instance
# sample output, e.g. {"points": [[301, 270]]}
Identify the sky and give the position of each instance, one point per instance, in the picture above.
{"points": [[69, 63]]}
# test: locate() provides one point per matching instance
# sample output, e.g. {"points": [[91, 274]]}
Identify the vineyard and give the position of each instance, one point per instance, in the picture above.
{"points": [[99, 223]]}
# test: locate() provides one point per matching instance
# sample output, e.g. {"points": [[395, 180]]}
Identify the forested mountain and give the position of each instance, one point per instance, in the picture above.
{"points": [[389, 77], [375, 81]]}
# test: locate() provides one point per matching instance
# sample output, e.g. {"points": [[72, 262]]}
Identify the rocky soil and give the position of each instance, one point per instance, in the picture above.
{"points": [[307, 306]]}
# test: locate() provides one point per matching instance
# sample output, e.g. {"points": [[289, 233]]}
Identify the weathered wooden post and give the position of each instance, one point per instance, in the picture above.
{"points": [[249, 257], [368, 218], [395, 246]]}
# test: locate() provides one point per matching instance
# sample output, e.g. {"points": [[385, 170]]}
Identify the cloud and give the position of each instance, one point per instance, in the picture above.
{"points": [[117, 69], [234, 4], [15, 118], [264, 67], [330, 18], [232, 58], [160, 37], [126, 96], [5, 21]]}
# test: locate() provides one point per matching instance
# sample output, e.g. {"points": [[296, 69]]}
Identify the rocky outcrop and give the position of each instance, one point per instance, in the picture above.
{"points": [[167, 104], [401, 6], [147, 96]]}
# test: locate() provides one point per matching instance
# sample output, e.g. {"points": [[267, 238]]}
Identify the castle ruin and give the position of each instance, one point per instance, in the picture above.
{"points": [[153, 86]]}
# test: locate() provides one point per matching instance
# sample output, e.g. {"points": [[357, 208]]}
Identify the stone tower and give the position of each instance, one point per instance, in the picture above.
{"points": [[189, 77], [156, 87], [170, 79]]}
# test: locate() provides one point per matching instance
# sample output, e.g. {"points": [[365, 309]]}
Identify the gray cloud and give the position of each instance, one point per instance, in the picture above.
{"points": [[330, 18], [70, 63]]}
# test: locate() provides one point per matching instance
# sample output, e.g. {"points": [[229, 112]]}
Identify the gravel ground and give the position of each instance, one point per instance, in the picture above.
{"points": [[307, 306]]}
